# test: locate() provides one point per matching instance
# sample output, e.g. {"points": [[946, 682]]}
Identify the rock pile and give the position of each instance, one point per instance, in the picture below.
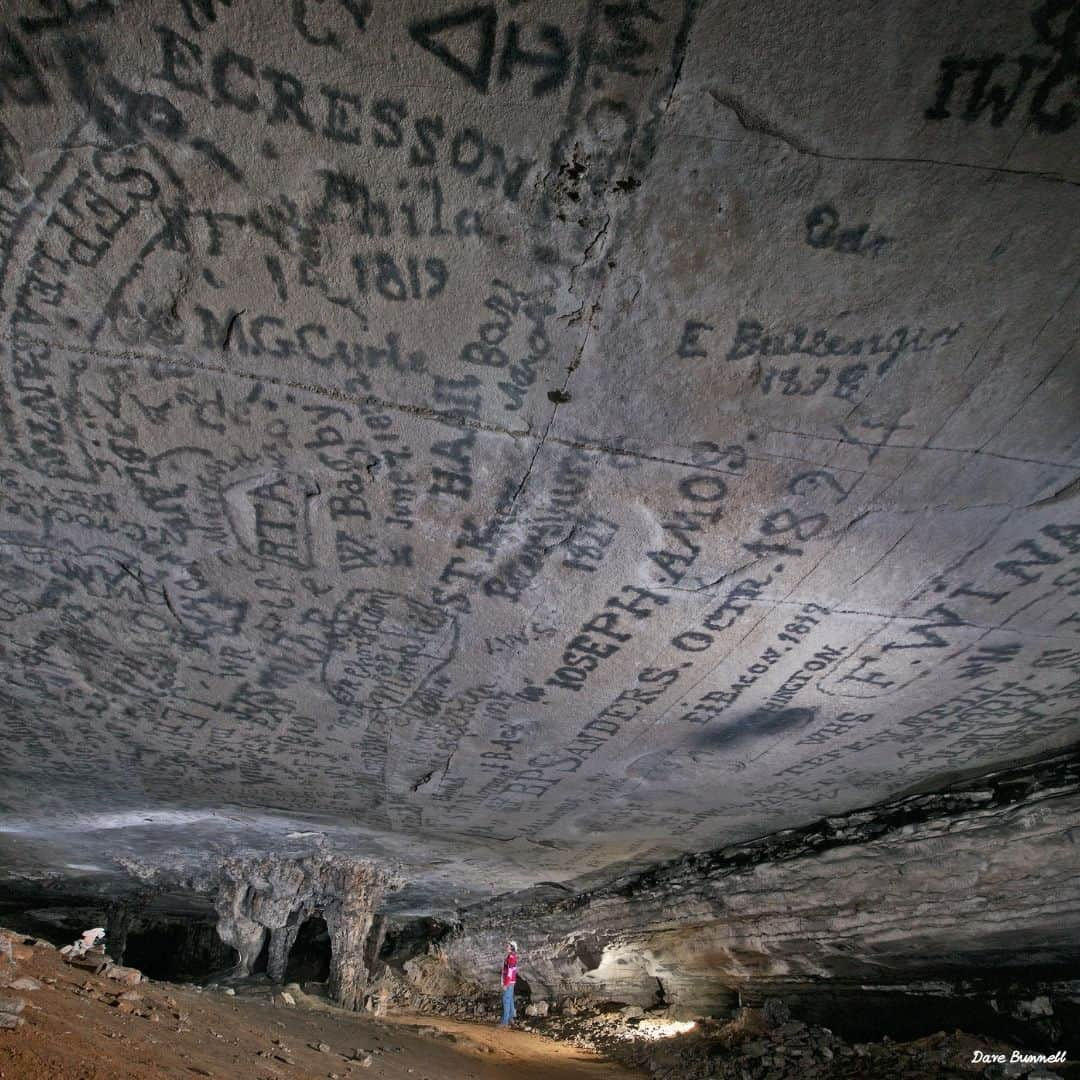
{"points": [[89, 954], [89, 957], [470, 1004], [763, 1044], [426, 984]]}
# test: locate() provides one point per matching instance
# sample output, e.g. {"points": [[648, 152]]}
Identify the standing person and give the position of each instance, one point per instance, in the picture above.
{"points": [[509, 978]]}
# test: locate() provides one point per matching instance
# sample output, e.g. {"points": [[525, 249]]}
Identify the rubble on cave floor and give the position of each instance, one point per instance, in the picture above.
{"points": [[749, 1048], [758, 1044]]}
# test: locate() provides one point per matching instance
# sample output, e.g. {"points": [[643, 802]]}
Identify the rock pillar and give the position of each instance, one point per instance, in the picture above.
{"points": [[282, 939], [244, 934], [348, 972], [274, 895], [350, 924]]}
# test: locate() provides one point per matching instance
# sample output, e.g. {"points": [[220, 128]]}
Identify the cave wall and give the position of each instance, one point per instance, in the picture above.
{"points": [[516, 442], [964, 899]]}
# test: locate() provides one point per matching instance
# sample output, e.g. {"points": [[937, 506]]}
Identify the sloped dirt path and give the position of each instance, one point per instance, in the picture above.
{"points": [[80, 1027]]}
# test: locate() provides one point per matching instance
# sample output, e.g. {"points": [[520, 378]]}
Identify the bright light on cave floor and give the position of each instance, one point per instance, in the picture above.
{"points": [[652, 1030]]}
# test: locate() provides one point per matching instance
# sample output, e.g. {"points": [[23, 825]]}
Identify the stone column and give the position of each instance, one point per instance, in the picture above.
{"points": [[247, 939], [350, 922], [235, 925], [348, 973], [282, 939], [273, 895]]}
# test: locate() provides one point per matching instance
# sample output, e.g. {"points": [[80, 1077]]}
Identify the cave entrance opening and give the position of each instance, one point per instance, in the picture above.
{"points": [[309, 957], [178, 950]]}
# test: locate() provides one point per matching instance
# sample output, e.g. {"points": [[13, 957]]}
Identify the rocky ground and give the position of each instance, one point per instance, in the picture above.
{"points": [[63, 1022], [67, 1023], [747, 1048], [759, 1044]]}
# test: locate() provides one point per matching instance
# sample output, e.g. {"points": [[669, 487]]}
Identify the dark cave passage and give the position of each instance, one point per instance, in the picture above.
{"points": [[309, 958], [178, 950], [523, 993], [263, 959]]}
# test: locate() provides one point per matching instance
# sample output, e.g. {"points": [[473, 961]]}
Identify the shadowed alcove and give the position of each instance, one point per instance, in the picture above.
{"points": [[309, 958]]}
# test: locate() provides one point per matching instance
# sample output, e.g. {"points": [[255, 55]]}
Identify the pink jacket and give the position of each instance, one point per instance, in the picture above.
{"points": [[509, 971]]}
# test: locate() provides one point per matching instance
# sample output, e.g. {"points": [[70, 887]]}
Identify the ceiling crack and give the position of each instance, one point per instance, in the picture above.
{"points": [[169, 604], [1061, 495], [420, 412], [754, 122]]}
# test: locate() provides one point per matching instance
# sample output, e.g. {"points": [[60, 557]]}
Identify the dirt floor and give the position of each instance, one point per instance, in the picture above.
{"points": [[79, 1026]]}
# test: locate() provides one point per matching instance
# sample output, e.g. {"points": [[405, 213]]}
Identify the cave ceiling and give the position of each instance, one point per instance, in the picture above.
{"points": [[511, 441]]}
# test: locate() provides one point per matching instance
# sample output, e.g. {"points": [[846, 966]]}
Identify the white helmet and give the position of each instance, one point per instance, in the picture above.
{"points": [[513, 946]]}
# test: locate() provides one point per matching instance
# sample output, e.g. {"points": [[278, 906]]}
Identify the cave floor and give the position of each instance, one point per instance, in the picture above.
{"points": [[77, 1027]]}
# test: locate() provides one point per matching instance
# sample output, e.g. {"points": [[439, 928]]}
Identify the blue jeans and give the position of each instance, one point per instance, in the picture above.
{"points": [[508, 1012]]}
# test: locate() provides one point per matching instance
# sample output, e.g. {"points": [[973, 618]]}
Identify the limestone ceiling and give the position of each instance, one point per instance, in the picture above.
{"points": [[511, 439]]}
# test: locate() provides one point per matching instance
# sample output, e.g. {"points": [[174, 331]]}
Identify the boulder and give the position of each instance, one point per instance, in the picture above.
{"points": [[95, 963], [129, 976], [1038, 1006]]}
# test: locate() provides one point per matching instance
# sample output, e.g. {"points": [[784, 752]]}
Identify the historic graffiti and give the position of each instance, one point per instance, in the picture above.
{"points": [[990, 87], [441, 421]]}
